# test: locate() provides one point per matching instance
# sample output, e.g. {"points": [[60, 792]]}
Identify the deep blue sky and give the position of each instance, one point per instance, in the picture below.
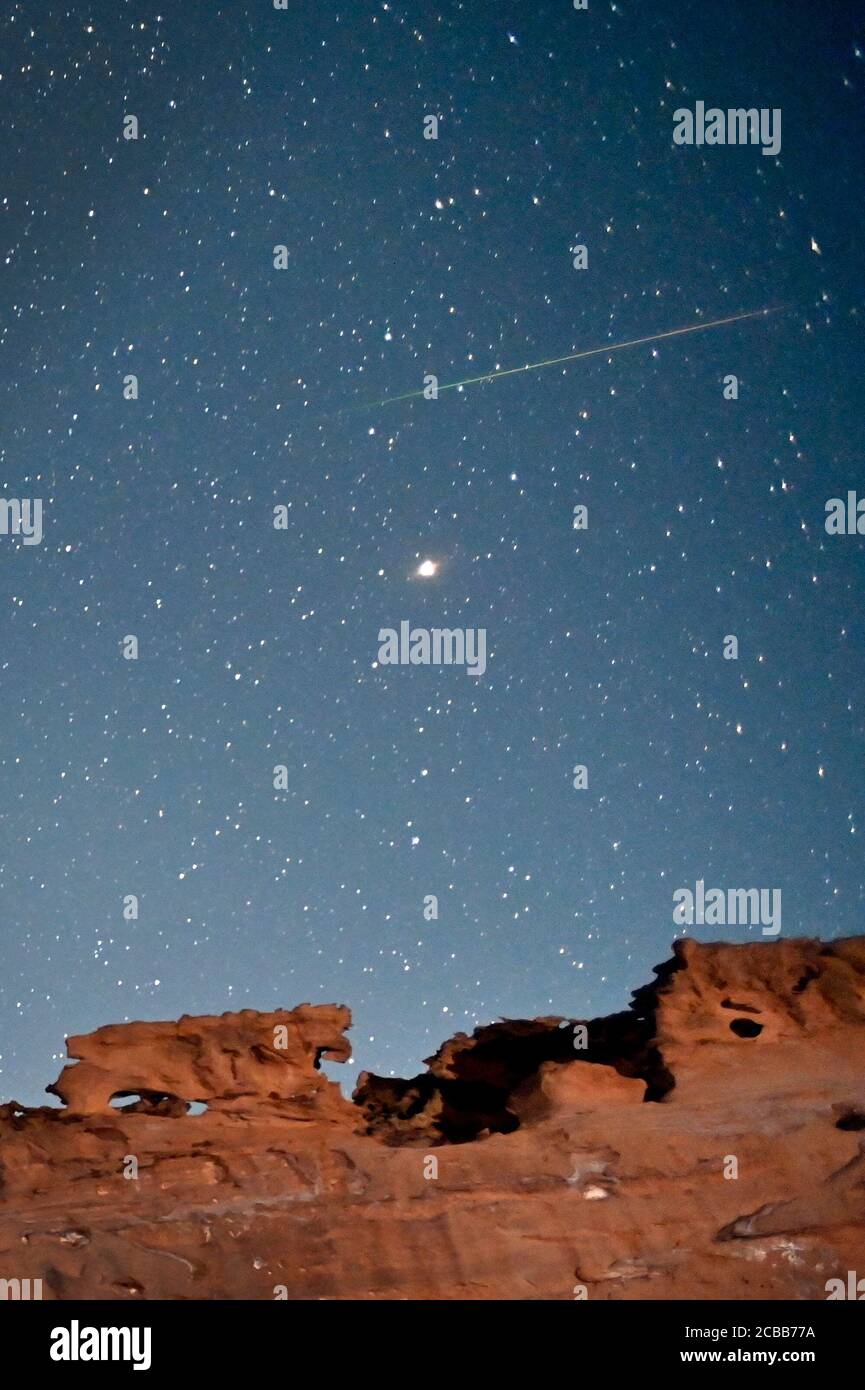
{"points": [[407, 256]]}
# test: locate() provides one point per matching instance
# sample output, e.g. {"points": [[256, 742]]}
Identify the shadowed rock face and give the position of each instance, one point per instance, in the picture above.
{"points": [[707, 1142], [482, 1084]]}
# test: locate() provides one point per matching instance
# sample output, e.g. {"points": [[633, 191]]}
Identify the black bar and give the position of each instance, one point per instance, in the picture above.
{"points": [[388, 1338]]}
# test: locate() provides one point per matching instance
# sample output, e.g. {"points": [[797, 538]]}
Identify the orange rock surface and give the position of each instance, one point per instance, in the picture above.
{"points": [[708, 1142]]}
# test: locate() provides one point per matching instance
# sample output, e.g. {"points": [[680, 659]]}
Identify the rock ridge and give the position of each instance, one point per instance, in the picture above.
{"points": [[708, 1141]]}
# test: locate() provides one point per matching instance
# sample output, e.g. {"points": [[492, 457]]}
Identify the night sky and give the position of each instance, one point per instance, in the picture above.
{"points": [[258, 388]]}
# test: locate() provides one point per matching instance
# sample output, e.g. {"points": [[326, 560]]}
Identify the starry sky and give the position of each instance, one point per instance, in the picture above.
{"points": [[260, 388]]}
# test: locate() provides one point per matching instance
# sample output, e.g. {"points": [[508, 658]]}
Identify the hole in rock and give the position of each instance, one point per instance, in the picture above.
{"points": [[746, 1028], [149, 1103], [851, 1119], [132, 1096]]}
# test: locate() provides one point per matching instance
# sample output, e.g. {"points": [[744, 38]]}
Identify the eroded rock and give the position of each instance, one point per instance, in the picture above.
{"points": [[238, 1061], [673, 1155]]}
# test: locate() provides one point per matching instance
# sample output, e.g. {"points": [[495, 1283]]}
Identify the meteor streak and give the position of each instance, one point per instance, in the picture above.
{"points": [[578, 356]]}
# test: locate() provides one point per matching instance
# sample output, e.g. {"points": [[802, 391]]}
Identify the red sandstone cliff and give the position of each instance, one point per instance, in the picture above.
{"points": [[708, 1142]]}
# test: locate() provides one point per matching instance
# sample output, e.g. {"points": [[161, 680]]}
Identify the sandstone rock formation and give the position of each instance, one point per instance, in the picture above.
{"points": [[240, 1062], [708, 1142]]}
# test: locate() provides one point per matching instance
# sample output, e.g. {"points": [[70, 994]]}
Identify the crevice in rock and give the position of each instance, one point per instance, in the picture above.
{"points": [[740, 1008]]}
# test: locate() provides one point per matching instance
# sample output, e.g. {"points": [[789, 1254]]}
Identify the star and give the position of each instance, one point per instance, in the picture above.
{"points": [[427, 569]]}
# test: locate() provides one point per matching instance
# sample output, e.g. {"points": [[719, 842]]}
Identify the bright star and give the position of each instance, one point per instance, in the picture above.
{"points": [[427, 569]]}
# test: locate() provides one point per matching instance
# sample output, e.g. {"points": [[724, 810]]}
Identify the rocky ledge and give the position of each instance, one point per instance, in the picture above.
{"points": [[707, 1142]]}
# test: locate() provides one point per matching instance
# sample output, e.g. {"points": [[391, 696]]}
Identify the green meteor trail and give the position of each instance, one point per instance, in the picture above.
{"points": [[577, 356]]}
